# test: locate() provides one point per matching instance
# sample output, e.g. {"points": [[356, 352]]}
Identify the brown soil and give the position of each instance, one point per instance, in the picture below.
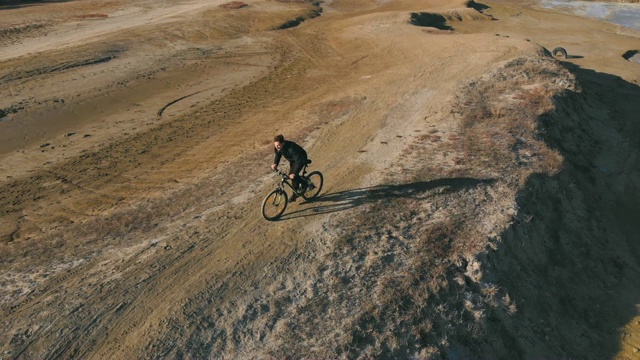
{"points": [[480, 197], [234, 5]]}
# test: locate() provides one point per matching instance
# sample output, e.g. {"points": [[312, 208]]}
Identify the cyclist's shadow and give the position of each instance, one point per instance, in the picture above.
{"points": [[348, 199]]}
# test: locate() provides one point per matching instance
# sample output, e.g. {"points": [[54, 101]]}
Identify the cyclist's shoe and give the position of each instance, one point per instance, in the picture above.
{"points": [[293, 197]]}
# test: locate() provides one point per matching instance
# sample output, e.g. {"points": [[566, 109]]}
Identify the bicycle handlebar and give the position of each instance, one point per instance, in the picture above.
{"points": [[281, 173]]}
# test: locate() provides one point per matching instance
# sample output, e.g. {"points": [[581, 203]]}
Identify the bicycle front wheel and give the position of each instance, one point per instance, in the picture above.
{"points": [[315, 181], [274, 204]]}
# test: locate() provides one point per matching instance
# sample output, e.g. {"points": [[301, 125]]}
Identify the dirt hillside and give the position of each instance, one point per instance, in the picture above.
{"points": [[480, 196]]}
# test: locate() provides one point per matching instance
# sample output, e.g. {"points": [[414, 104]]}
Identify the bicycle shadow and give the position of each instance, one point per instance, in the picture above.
{"points": [[348, 199]]}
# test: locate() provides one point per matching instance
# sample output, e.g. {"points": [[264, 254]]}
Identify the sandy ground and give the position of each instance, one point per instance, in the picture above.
{"points": [[135, 146]]}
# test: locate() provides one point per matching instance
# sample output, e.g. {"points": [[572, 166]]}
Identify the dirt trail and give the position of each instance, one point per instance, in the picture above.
{"points": [[117, 20], [148, 242]]}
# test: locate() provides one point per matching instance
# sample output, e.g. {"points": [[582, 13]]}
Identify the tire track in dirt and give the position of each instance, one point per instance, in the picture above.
{"points": [[129, 156], [151, 290], [162, 109], [110, 318], [93, 163], [196, 327], [91, 166]]}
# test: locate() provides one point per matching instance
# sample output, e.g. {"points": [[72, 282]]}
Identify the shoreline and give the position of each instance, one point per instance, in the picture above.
{"points": [[622, 13]]}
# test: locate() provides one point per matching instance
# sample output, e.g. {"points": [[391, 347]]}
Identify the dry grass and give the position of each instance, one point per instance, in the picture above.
{"points": [[88, 239], [234, 5], [12, 30], [500, 114], [404, 277], [92, 16], [335, 109]]}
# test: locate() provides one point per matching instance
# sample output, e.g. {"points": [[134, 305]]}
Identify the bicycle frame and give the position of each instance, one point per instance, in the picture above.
{"points": [[287, 181]]}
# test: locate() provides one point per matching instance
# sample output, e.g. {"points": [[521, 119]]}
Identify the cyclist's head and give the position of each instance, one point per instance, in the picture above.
{"points": [[278, 141]]}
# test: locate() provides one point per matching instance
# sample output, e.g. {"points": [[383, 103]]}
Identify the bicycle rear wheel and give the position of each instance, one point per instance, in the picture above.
{"points": [[315, 181], [274, 204]]}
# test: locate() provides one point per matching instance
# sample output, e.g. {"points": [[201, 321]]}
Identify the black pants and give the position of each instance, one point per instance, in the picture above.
{"points": [[294, 168]]}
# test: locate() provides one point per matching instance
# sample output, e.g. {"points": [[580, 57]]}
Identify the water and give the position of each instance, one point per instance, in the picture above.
{"points": [[627, 15]]}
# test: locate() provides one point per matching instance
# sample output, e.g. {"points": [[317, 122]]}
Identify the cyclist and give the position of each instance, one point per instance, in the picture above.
{"points": [[297, 159]]}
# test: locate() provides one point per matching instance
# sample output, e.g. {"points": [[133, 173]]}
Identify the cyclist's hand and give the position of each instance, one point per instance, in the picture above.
{"points": [[291, 176], [274, 167]]}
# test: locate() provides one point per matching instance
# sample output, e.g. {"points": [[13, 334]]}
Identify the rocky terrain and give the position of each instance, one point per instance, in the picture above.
{"points": [[480, 198]]}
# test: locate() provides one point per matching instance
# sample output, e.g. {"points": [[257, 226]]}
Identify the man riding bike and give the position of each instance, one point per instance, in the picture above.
{"points": [[297, 159]]}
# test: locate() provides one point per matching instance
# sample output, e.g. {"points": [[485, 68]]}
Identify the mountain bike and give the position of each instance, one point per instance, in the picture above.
{"points": [[276, 202]]}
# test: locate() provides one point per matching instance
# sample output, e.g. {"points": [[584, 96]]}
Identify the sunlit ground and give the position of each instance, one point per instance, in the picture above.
{"points": [[627, 15]]}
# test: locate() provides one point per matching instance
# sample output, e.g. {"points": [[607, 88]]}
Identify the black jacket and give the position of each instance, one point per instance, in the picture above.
{"points": [[291, 151]]}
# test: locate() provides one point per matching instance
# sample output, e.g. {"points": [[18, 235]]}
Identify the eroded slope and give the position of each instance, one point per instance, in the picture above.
{"points": [[457, 186]]}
